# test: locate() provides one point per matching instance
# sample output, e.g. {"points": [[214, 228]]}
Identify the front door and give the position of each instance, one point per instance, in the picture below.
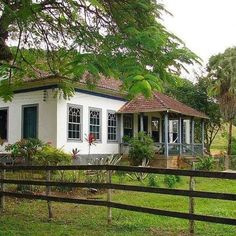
{"points": [[3, 124], [30, 122]]}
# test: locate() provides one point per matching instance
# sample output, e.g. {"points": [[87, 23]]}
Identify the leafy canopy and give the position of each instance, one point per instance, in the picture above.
{"points": [[222, 71], [122, 39], [197, 96]]}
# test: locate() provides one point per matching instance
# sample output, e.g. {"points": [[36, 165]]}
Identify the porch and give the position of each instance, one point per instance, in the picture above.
{"points": [[177, 130], [172, 136]]}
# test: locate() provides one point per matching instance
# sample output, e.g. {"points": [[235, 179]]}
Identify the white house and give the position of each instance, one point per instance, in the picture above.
{"points": [[37, 111]]}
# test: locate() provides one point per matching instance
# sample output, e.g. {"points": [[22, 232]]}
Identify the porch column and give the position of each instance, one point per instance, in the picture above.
{"points": [[180, 135], [203, 136], [141, 121], [192, 135], [166, 128], [120, 131]]}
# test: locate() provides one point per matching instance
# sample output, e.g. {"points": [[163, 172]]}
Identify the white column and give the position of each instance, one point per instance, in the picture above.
{"points": [[121, 120], [166, 128], [120, 131], [203, 136], [192, 135], [135, 124], [141, 122], [180, 135]]}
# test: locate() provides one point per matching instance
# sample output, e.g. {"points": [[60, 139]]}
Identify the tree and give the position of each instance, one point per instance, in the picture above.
{"points": [[222, 71], [197, 97], [123, 39]]}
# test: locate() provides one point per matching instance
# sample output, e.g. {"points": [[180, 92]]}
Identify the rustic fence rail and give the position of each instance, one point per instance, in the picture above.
{"points": [[191, 193]]}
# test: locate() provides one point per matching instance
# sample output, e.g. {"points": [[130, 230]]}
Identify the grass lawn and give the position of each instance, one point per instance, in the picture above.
{"points": [[24, 217], [220, 142]]}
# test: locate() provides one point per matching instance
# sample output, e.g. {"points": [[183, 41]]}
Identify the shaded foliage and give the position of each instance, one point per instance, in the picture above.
{"points": [[197, 97], [122, 39], [141, 148], [222, 72]]}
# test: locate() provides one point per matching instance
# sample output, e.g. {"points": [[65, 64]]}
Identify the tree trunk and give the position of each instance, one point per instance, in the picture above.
{"points": [[5, 21], [229, 148]]}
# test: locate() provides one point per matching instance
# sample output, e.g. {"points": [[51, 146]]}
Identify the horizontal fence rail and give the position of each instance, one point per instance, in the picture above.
{"points": [[174, 214], [150, 170], [178, 192], [191, 216]]}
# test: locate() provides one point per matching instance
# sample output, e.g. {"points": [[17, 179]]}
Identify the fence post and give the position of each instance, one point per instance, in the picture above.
{"points": [[191, 202], [2, 201], [48, 192], [109, 213]]}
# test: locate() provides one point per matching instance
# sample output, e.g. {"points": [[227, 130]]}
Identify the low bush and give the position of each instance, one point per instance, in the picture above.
{"points": [[152, 181], [205, 163], [50, 155], [233, 146], [171, 180], [141, 148], [25, 149]]}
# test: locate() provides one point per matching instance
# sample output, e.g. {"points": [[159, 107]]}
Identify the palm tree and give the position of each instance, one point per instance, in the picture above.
{"points": [[222, 70]]}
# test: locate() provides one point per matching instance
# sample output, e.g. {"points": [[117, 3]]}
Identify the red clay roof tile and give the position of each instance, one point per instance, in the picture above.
{"points": [[159, 102]]}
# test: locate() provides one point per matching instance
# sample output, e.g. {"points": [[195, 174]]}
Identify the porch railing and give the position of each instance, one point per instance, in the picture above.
{"points": [[174, 149]]}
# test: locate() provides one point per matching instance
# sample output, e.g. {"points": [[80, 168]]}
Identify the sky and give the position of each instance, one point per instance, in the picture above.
{"points": [[206, 26]]}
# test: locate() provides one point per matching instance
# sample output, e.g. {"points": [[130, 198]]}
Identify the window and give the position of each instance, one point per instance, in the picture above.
{"points": [[95, 123], [30, 121], [3, 123], [74, 122], [173, 131], [155, 129], [112, 126], [128, 125]]}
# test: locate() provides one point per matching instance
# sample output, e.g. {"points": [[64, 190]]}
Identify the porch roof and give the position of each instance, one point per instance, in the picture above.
{"points": [[159, 103]]}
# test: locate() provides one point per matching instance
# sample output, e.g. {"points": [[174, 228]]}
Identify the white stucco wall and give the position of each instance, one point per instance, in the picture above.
{"points": [[86, 101], [53, 118], [46, 115]]}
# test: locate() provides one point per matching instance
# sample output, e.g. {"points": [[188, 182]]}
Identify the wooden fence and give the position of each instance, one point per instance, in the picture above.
{"points": [[191, 193]]}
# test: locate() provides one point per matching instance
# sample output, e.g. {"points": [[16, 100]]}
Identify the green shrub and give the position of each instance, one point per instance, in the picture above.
{"points": [[233, 146], [126, 139], [25, 148], [178, 178], [233, 162], [121, 176], [205, 163], [171, 180], [141, 148], [50, 155], [152, 181]]}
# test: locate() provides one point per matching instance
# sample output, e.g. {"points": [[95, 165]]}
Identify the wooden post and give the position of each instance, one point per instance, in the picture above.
{"points": [[48, 192], [109, 213], [191, 202], [2, 200]]}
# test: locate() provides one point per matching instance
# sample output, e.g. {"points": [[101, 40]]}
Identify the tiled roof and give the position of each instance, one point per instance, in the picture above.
{"points": [[159, 102], [103, 83]]}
